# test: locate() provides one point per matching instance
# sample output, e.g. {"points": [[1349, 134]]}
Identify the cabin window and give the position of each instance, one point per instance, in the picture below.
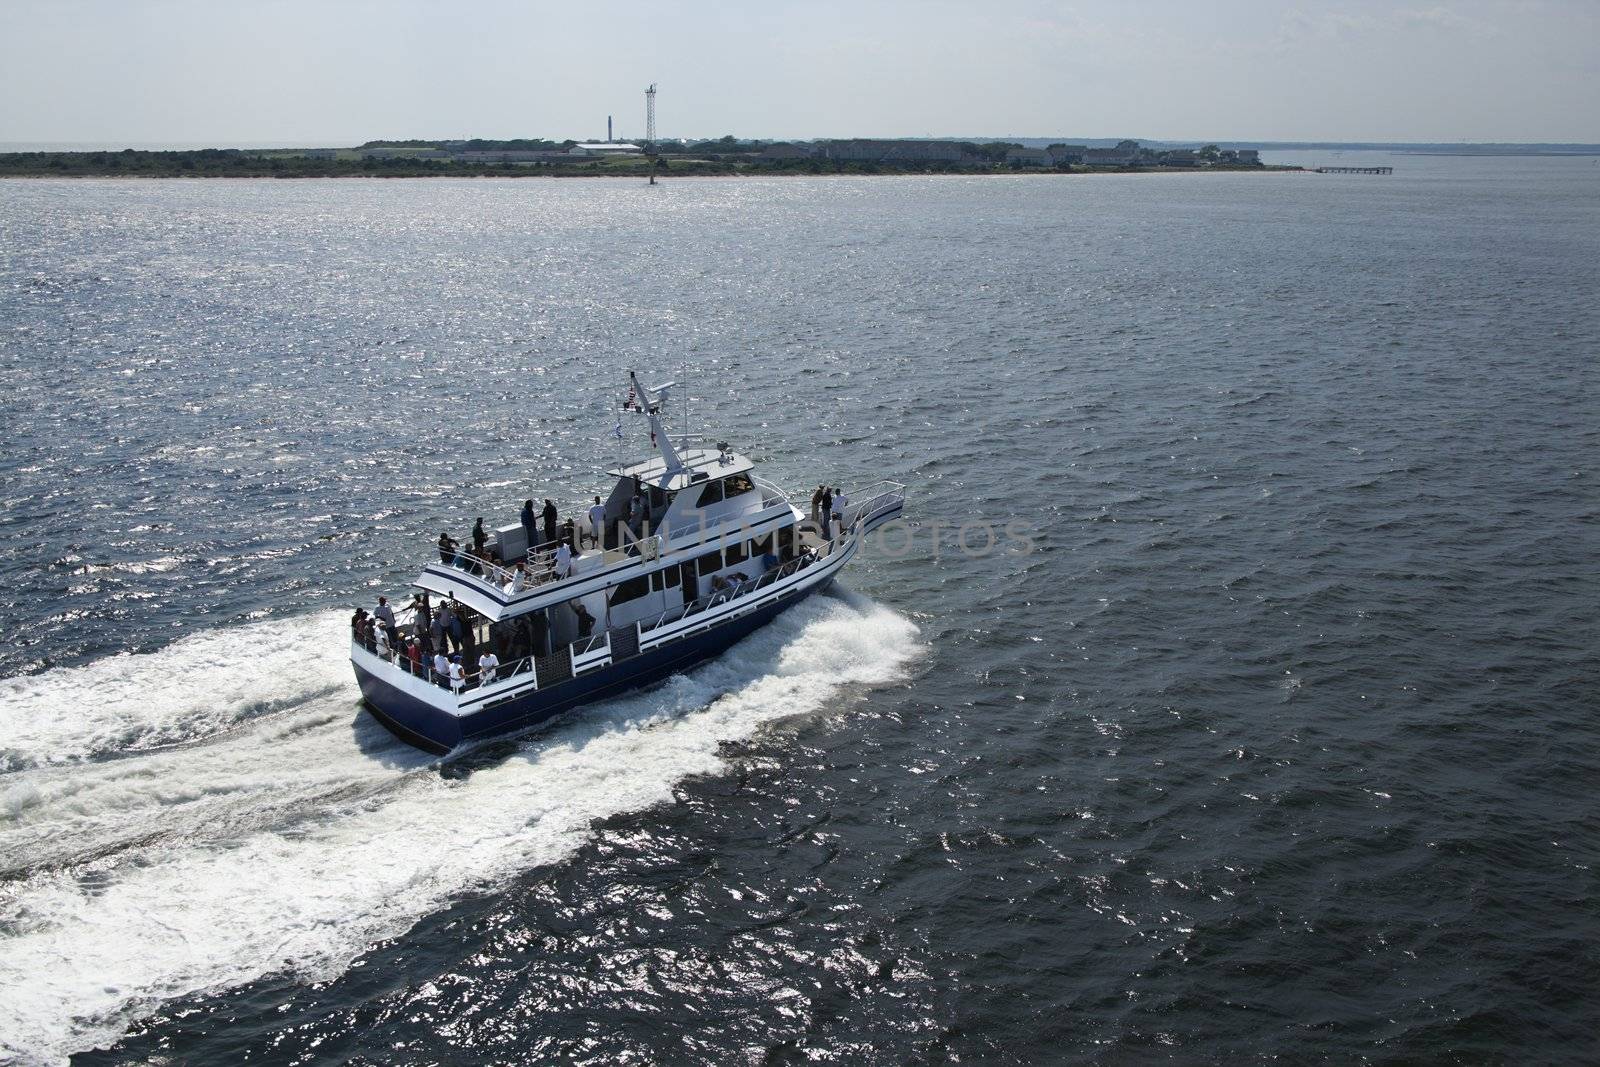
{"points": [[761, 546], [785, 542], [656, 581], [711, 494], [632, 589], [734, 484], [670, 576], [735, 554], [659, 499]]}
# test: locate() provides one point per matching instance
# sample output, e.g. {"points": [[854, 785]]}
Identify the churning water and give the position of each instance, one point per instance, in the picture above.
{"points": [[1267, 732]]}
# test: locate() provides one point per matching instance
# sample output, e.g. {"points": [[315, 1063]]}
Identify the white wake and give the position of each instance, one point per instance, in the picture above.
{"points": [[199, 685], [297, 838]]}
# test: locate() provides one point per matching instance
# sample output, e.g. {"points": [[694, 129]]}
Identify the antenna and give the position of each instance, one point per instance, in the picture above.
{"points": [[650, 402], [650, 117]]}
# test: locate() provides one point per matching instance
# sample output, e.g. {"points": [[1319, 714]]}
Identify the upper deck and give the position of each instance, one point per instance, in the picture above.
{"points": [[714, 499], [697, 465]]}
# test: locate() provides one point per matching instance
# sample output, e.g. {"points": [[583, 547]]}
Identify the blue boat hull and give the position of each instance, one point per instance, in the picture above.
{"points": [[436, 730]]}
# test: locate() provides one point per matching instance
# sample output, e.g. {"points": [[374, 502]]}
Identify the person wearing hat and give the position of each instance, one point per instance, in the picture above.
{"points": [[458, 676]]}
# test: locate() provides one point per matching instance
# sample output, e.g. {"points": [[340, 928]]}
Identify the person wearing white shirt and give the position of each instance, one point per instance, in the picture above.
{"points": [[563, 560], [441, 667], [519, 579], [385, 613], [488, 665], [380, 641], [597, 521], [458, 676], [839, 501]]}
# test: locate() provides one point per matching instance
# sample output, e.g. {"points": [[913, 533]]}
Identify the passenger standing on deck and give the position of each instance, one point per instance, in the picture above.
{"points": [[636, 514], [414, 657], [447, 548], [585, 620], [441, 668], [550, 517], [457, 625], [380, 641], [563, 560], [458, 676], [479, 537], [385, 615], [816, 505], [540, 634], [597, 521], [527, 523], [826, 511], [488, 666], [451, 627], [436, 630], [839, 501]]}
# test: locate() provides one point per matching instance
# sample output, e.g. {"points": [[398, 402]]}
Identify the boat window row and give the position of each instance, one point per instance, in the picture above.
{"points": [[767, 551]]}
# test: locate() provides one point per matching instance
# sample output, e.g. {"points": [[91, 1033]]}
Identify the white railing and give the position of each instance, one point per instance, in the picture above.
{"points": [[770, 494], [871, 499], [737, 590]]}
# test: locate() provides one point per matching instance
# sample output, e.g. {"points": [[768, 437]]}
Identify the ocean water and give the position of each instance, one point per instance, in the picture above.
{"points": [[1265, 731]]}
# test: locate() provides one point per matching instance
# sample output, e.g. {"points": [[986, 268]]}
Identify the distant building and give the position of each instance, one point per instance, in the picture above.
{"points": [[1111, 157], [607, 148], [785, 150], [863, 150], [1062, 154], [1250, 155], [523, 156], [1029, 157], [404, 153], [1179, 157]]}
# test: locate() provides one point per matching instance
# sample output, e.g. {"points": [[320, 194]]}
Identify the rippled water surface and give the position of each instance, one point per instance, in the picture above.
{"points": [[1279, 742]]}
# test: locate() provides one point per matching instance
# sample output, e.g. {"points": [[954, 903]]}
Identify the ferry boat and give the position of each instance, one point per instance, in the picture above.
{"points": [[691, 551]]}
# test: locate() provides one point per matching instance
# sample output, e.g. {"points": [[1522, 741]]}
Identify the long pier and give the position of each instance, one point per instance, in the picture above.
{"points": [[1354, 170]]}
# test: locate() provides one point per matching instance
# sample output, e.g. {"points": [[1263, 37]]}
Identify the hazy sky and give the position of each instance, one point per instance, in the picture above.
{"points": [[343, 71]]}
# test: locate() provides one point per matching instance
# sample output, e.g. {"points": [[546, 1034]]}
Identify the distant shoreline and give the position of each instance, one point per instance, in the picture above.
{"points": [[529, 174], [592, 161], [632, 174]]}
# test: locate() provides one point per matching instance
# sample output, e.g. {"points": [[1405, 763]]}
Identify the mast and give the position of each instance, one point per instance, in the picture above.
{"points": [[651, 401]]}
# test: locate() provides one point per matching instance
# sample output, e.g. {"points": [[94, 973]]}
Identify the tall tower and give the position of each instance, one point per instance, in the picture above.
{"points": [[650, 116], [608, 129]]}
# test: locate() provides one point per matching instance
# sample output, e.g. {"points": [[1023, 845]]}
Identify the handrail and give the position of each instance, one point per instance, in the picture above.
{"points": [[770, 493], [857, 509], [589, 643], [738, 589]]}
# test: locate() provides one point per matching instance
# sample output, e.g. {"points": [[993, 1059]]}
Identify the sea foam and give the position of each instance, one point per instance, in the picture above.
{"points": [[293, 843]]}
